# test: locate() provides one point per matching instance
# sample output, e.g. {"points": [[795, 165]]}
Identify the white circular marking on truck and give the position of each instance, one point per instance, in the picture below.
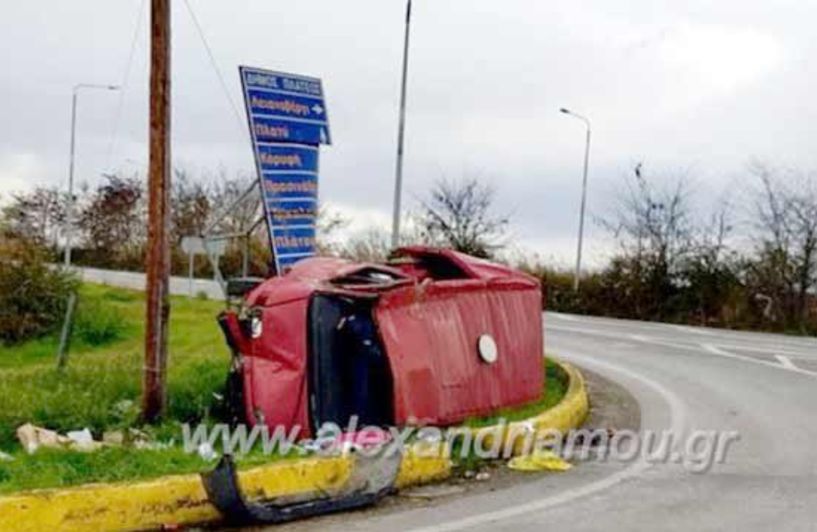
{"points": [[487, 349]]}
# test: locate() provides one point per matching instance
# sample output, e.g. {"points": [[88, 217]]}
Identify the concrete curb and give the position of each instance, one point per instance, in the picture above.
{"points": [[181, 500]]}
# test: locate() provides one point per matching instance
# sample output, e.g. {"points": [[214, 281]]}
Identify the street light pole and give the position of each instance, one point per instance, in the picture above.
{"points": [[577, 273], [398, 177], [69, 212]]}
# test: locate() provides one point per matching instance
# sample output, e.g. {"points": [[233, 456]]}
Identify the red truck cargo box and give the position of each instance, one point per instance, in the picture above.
{"points": [[433, 337]]}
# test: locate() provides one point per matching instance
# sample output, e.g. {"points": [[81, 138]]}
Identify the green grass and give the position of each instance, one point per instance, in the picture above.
{"points": [[105, 366], [100, 389], [555, 387]]}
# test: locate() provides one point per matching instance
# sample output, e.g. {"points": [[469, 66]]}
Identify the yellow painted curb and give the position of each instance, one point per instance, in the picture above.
{"points": [[174, 500], [181, 500]]}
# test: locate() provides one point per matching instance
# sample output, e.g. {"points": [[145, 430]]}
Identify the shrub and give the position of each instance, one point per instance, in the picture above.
{"points": [[33, 293], [97, 324]]}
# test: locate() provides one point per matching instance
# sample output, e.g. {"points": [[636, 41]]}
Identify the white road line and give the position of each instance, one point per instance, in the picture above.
{"points": [[786, 362], [768, 350], [715, 350], [677, 425], [710, 348]]}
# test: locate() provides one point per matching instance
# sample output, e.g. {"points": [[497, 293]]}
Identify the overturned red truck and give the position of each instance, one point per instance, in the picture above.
{"points": [[431, 337]]}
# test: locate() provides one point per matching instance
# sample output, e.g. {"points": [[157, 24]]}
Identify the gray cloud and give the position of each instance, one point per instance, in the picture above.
{"points": [[703, 86]]}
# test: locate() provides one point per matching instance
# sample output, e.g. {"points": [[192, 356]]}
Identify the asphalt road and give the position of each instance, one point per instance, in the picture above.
{"points": [[762, 386]]}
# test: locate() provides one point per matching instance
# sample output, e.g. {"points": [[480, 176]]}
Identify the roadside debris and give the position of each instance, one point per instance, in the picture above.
{"points": [[539, 461], [83, 440], [371, 479], [206, 452], [32, 438], [113, 437]]}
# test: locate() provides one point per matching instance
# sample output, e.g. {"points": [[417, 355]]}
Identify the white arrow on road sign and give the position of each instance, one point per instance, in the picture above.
{"points": [[318, 109]]}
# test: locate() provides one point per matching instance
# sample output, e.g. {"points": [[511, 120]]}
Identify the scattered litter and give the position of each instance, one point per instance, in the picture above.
{"points": [[32, 438], [433, 491], [469, 474], [83, 440], [5, 457], [206, 452], [539, 461], [113, 437], [482, 476]]}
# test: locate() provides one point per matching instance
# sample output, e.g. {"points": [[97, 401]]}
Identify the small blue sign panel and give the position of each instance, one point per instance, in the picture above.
{"points": [[288, 121], [285, 107]]}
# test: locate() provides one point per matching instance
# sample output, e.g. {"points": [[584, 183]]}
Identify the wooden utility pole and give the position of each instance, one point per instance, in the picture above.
{"points": [[157, 258]]}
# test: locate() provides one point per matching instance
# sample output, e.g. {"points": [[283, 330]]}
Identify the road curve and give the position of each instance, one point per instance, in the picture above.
{"points": [[764, 387]]}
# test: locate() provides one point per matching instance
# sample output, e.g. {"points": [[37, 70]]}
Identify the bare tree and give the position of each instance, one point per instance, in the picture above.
{"points": [[654, 222], [113, 219], [191, 204], [458, 214], [328, 224], [37, 215], [234, 216], [785, 216], [372, 246], [653, 227]]}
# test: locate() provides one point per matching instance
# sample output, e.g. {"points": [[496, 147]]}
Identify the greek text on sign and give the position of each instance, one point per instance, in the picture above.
{"points": [[288, 121], [285, 107]]}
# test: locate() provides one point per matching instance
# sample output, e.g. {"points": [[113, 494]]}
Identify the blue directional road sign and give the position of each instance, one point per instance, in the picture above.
{"points": [[289, 180], [287, 119]]}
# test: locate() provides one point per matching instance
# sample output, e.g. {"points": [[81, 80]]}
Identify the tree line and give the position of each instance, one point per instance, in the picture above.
{"points": [[751, 262]]}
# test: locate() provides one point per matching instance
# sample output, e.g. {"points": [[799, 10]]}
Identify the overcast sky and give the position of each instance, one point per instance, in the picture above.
{"points": [[699, 86]]}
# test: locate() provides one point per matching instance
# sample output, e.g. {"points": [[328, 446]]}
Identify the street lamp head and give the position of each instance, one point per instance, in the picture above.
{"points": [[565, 111], [113, 87]]}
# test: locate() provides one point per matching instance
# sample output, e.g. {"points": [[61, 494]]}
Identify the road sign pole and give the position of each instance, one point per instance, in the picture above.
{"points": [[398, 175], [158, 252]]}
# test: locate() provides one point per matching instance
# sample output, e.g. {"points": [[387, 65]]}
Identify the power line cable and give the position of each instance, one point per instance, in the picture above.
{"points": [[124, 85], [211, 56]]}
